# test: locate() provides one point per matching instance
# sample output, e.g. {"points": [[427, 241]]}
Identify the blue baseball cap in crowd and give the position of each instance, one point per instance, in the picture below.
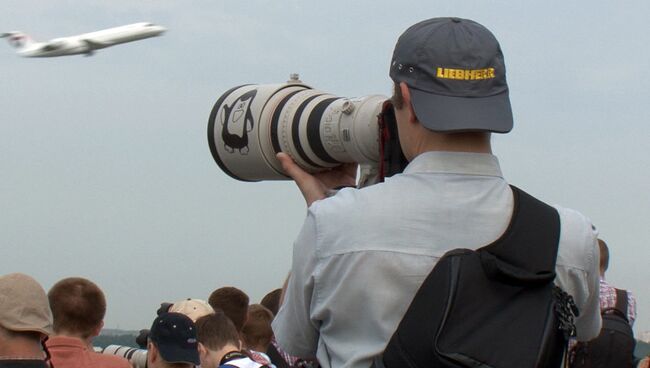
{"points": [[456, 76], [174, 335]]}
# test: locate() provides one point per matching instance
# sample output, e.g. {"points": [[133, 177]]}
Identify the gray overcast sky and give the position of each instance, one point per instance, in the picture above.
{"points": [[105, 170]]}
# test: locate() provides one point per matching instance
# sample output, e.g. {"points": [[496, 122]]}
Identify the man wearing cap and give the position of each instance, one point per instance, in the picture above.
{"points": [[25, 322], [363, 253], [172, 342], [193, 308]]}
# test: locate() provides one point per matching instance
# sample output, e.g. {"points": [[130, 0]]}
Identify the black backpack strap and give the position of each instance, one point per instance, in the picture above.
{"points": [[621, 301], [527, 250], [276, 358]]}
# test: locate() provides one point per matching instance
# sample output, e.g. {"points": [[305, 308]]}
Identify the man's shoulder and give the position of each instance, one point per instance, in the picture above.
{"points": [[350, 197], [577, 240], [349, 205]]}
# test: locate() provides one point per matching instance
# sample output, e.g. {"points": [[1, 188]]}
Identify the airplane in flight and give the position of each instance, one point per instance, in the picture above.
{"points": [[86, 43]]}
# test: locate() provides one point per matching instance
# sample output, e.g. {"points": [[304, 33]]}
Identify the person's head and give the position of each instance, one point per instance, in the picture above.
{"points": [[257, 332], [172, 342], [193, 308], [604, 256], [25, 316], [450, 87], [272, 301], [233, 302], [78, 307], [217, 336]]}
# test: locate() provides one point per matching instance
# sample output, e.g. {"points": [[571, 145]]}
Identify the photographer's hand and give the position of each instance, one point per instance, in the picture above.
{"points": [[315, 186]]}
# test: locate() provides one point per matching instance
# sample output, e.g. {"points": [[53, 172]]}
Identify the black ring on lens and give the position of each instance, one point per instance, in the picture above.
{"points": [[313, 130], [129, 353], [275, 121], [295, 131], [211, 141]]}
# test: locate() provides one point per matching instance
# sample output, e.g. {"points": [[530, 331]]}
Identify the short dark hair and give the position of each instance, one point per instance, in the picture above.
{"points": [[233, 302], [216, 330], [604, 255], [257, 330], [272, 301], [78, 306], [397, 99]]}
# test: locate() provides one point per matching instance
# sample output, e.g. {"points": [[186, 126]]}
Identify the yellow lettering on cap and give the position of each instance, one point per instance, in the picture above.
{"points": [[465, 74]]}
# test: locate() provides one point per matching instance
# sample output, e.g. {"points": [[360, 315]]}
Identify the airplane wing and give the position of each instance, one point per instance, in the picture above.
{"points": [[52, 46], [94, 45]]}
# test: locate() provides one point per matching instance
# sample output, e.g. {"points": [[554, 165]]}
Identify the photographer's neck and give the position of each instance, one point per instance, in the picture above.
{"points": [[87, 340], [427, 141], [21, 348]]}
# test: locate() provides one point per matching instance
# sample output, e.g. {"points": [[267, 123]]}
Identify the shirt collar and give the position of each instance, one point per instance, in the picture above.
{"points": [[59, 341], [464, 163]]}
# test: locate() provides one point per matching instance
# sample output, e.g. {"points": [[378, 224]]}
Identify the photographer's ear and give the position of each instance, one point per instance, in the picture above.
{"points": [[98, 329], [406, 97], [203, 352], [152, 353]]}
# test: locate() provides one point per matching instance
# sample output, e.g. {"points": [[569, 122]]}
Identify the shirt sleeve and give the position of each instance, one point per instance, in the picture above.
{"points": [[294, 330], [589, 322], [578, 270], [631, 307]]}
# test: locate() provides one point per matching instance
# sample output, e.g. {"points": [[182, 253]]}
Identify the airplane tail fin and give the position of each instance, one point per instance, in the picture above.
{"points": [[17, 39]]}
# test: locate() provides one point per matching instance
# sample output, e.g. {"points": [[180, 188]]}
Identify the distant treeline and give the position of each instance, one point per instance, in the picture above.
{"points": [[103, 341]]}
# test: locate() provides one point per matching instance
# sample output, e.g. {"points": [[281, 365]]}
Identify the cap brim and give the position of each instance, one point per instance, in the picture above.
{"points": [[172, 353], [450, 114], [44, 330]]}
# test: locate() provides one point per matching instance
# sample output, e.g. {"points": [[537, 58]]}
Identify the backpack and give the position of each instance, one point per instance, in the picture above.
{"points": [[496, 307], [614, 346]]}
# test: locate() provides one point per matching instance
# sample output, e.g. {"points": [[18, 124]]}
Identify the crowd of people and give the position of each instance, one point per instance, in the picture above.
{"points": [[57, 329], [364, 253]]}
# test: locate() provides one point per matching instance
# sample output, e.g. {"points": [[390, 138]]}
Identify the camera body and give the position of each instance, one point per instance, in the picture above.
{"points": [[250, 124]]}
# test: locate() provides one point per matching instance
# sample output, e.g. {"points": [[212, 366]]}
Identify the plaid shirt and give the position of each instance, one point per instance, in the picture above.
{"points": [[290, 359], [608, 300]]}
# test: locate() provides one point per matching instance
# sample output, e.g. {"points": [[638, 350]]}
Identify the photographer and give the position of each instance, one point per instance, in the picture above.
{"points": [[172, 342], [219, 343], [362, 253]]}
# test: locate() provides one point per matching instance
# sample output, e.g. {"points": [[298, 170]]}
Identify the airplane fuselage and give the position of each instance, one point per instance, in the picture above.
{"points": [[87, 43]]}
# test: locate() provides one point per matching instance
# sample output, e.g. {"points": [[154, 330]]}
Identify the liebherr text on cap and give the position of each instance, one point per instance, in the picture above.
{"points": [[456, 75]]}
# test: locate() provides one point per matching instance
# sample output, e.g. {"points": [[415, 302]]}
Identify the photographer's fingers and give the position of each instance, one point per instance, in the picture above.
{"points": [[349, 171], [341, 176], [312, 189], [291, 168]]}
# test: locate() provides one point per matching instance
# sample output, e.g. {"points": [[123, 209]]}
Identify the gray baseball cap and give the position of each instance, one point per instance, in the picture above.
{"points": [[456, 76]]}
